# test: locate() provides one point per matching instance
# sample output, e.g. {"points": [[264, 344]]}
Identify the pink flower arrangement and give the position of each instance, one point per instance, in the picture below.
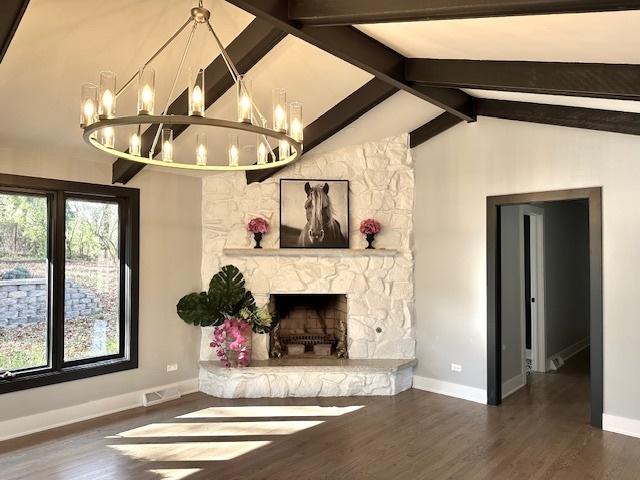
{"points": [[370, 227], [230, 340], [258, 225]]}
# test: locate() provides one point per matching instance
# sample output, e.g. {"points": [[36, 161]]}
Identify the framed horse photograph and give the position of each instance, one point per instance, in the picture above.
{"points": [[314, 213]]}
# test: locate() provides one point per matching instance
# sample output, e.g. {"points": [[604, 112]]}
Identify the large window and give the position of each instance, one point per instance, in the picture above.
{"points": [[68, 281]]}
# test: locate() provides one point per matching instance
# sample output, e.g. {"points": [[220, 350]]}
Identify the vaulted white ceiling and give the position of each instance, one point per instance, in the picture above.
{"points": [[607, 37], [59, 45]]}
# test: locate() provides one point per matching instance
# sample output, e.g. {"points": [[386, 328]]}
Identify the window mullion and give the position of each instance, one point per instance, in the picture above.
{"points": [[58, 255]]}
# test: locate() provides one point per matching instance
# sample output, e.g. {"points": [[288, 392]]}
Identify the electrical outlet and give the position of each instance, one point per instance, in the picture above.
{"points": [[172, 367], [456, 368]]}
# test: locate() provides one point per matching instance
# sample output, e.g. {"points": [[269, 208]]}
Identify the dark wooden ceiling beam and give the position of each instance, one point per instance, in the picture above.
{"points": [[441, 123], [600, 80], [11, 13], [350, 12], [577, 117], [331, 122], [356, 48], [251, 45]]}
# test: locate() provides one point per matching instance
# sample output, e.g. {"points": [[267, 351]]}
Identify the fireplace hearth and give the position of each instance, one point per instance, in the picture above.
{"points": [[309, 325]]}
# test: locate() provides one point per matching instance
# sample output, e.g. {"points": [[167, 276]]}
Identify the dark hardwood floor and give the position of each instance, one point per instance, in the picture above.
{"points": [[540, 432]]}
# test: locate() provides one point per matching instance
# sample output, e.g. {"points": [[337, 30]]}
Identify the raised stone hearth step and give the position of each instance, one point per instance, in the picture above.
{"points": [[307, 377]]}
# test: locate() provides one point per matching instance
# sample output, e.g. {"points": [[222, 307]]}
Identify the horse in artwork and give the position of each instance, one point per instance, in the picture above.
{"points": [[322, 229]]}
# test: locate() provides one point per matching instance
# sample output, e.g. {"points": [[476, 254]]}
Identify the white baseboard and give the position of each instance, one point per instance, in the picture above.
{"points": [[450, 389], [17, 427], [570, 351], [622, 425], [513, 385]]}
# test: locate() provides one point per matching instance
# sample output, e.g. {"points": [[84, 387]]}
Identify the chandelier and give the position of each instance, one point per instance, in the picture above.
{"points": [[276, 145]]}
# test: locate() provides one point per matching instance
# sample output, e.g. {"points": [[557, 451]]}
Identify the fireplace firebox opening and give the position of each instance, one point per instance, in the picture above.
{"points": [[309, 325]]}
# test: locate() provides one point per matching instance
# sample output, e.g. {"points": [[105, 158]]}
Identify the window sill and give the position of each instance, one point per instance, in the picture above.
{"points": [[67, 374]]}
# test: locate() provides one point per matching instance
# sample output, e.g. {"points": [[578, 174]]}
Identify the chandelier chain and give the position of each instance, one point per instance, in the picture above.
{"points": [[238, 79], [173, 86], [233, 70], [153, 57]]}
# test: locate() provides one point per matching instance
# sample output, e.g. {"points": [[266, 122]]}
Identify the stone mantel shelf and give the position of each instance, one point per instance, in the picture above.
{"points": [[309, 252]]}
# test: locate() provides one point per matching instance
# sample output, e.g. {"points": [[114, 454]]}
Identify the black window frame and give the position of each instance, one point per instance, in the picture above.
{"points": [[57, 193]]}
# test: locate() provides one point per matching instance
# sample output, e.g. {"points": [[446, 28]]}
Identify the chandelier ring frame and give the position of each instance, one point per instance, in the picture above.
{"points": [[90, 139]]}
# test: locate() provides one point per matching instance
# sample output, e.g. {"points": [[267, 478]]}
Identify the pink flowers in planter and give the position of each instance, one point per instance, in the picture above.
{"points": [[258, 225], [233, 342], [370, 227]]}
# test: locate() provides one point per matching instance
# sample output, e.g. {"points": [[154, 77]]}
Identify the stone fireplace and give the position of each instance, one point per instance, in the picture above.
{"points": [[371, 292], [313, 323]]}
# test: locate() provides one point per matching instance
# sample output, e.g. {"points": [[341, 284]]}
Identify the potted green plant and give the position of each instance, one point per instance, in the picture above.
{"points": [[231, 308]]}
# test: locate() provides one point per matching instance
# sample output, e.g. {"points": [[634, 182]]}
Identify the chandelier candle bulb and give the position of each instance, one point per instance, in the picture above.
{"points": [[201, 149], [196, 91], [107, 107], [88, 104], [234, 151], [146, 90], [167, 145], [279, 102], [134, 144], [261, 152], [245, 107], [108, 137], [295, 121], [283, 149]]}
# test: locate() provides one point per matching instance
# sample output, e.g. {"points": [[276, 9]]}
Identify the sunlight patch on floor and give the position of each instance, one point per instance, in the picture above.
{"points": [[188, 451], [174, 473], [272, 411], [221, 429]]}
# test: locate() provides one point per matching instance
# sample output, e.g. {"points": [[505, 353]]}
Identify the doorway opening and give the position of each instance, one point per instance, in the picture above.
{"points": [[544, 274]]}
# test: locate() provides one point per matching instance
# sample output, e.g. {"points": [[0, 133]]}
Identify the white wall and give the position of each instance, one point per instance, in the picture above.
{"points": [[455, 172], [170, 253]]}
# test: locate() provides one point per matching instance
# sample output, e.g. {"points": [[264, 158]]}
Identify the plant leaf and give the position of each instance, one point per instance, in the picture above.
{"points": [[247, 301], [195, 309], [226, 289]]}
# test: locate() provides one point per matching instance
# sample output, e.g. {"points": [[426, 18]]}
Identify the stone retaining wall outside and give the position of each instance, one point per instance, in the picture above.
{"points": [[24, 301]]}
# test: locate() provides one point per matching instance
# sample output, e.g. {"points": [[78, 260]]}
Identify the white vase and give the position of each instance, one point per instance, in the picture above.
{"points": [[260, 346]]}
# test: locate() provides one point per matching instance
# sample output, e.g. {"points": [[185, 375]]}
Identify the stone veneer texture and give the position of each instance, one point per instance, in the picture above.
{"points": [[303, 382], [379, 289]]}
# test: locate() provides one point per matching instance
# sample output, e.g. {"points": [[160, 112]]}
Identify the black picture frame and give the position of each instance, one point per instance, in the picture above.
{"points": [[286, 231]]}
